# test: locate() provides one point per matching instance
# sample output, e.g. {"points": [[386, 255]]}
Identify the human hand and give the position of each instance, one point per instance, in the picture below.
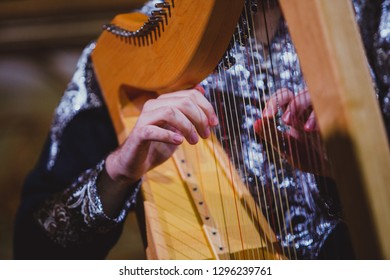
{"points": [[302, 145], [163, 124]]}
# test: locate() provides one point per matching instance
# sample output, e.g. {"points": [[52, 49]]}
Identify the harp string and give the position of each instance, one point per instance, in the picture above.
{"points": [[239, 147], [233, 139], [311, 140], [249, 134], [270, 195], [281, 147], [246, 132], [314, 148], [307, 138], [232, 118], [226, 134], [309, 150], [251, 61], [216, 131], [270, 153], [254, 216], [313, 144], [276, 204], [222, 132], [230, 139]]}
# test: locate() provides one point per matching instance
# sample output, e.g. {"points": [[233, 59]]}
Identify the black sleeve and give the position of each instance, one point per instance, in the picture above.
{"points": [[60, 215], [85, 142]]}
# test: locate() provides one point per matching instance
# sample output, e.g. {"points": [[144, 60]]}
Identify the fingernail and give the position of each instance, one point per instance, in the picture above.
{"points": [[207, 132], [258, 126], [287, 117], [310, 124], [194, 137], [214, 121], [177, 138], [267, 112], [200, 89]]}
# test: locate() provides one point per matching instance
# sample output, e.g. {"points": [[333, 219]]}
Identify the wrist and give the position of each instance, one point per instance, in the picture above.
{"points": [[114, 188], [115, 172]]}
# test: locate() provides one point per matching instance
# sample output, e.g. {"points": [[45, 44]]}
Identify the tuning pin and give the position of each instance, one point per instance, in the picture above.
{"points": [[159, 20], [107, 27], [161, 13], [114, 30], [153, 27], [147, 30], [141, 36], [164, 5]]}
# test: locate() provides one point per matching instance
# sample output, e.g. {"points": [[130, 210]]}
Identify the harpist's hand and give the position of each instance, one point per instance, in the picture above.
{"points": [[163, 124], [300, 144]]}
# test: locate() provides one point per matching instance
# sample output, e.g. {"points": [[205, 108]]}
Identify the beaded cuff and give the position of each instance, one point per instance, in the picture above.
{"points": [[77, 214]]}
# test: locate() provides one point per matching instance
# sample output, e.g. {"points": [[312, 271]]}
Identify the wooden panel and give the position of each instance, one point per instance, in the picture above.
{"points": [[335, 67]]}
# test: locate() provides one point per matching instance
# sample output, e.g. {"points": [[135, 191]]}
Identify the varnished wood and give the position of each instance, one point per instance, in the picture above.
{"points": [[184, 231], [335, 67], [188, 50]]}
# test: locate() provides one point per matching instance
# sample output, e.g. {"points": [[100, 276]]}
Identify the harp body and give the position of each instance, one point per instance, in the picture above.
{"points": [[188, 198]]}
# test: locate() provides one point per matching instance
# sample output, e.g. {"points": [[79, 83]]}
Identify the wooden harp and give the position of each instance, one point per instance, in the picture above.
{"points": [[196, 205]]}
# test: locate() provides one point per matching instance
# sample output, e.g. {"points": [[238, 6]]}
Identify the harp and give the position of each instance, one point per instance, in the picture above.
{"points": [[196, 205]]}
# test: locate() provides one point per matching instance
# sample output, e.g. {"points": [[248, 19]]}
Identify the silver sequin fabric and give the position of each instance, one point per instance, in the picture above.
{"points": [[290, 199], [77, 97], [300, 207], [76, 214], [70, 217]]}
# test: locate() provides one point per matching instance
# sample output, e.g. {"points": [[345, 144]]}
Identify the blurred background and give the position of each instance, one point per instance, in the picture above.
{"points": [[40, 42]]}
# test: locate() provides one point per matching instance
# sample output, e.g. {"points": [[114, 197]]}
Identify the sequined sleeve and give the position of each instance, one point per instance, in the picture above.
{"points": [[77, 214]]}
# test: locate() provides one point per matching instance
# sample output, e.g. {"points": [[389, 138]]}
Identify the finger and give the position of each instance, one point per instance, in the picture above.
{"points": [[296, 108], [170, 116], [190, 107], [151, 133], [266, 131], [199, 99], [311, 123], [133, 154], [280, 98], [287, 144], [201, 89], [195, 113], [206, 106]]}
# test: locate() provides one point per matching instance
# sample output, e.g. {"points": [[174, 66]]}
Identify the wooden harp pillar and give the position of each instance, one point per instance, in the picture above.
{"points": [[334, 64]]}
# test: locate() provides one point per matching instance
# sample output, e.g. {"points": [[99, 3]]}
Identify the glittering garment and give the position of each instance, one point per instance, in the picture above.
{"points": [[78, 97], [72, 216], [310, 216], [290, 199], [304, 210]]}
